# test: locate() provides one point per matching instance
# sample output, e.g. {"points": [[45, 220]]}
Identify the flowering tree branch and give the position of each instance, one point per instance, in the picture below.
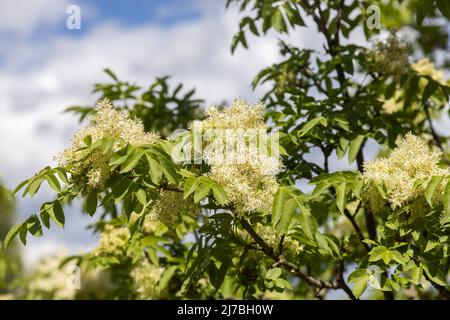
{"points": [[292, 268]]}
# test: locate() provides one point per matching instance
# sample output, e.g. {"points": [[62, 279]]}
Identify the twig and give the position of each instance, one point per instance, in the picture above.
{"points": [[352, 220], [434, 134]]}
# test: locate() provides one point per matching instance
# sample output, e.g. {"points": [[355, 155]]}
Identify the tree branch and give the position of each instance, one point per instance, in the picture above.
{"points": [[434, 134], [290, 267], [352, 220]]}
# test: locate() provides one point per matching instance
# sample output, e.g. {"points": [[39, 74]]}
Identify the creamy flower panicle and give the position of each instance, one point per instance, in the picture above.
{"points": [[391, 55], [427, 68], [50, 280], [106, 122], [113, 241], [169, 207], [246, 170], [404, 174], [145, 278], [424, 67]]}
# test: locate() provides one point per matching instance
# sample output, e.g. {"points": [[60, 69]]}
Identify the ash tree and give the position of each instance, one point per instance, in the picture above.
{"points": [[178, 219]]}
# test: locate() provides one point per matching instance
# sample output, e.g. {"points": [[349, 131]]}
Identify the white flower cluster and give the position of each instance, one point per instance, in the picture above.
{"points": [[50, 281], [169, 207], [145, 278], [426, 68], [239, 158], [113, 241], [106, 122], [291, 248], [391, 55], [404, 174]]}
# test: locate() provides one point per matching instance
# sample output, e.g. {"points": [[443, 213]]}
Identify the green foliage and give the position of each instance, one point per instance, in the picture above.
{"points": [[160, 108], [331, 103]]}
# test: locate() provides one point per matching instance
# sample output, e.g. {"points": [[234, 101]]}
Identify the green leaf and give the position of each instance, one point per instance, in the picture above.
{"points": [[12, 234], [431, 245], [423, 8], [444, 7], [166, 277], [307, 222], [91, 203], [286, 217], [53, 182], [202, 192], [416, 275], [155, 171], [48, 211], [131, 161], [110, 73], [118, 159], [62, 174], [189, 186], [341, 196], [429, 90], [281, 197], [447, 199], [33, 225], [58, 214], [23, 233], [34, 186], [277, 21], [431, 188], [219, 194], [359, 278], [397, 257], [434, 273], [377, 253], [20, 186], [141, 196], [45, 216], [168, 168], [273, 274], [308, 126], [354, 147], [322, 243], [87, 140]]}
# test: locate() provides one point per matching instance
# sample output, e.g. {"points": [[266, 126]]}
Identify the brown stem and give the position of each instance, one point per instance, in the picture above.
{"points": [[434, 134], [352, 220]]}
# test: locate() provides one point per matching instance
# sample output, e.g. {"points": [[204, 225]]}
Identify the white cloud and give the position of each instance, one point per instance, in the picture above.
{"points": [[23, 17]]}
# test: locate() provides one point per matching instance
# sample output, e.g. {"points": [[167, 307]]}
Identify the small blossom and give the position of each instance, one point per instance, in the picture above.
{"points": [[426, 68], [393, 104], [113, 241], [51, 281], [391, 55], [291, 248], [170, 206], [145, 278]]}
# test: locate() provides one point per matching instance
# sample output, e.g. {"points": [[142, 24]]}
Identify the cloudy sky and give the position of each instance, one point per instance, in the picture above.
{"points": [[45, 67]]}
